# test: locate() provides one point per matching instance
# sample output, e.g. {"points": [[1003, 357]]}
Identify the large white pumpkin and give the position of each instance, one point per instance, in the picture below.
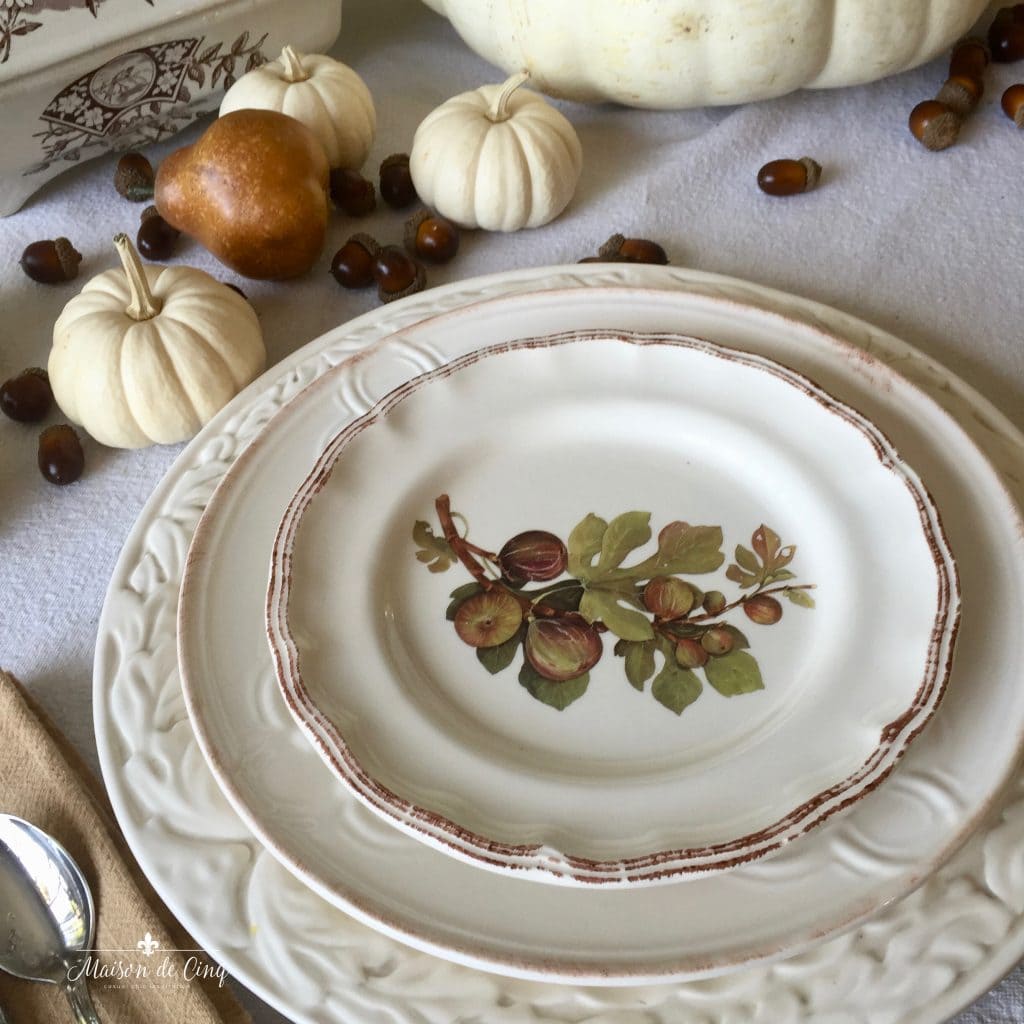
{"points": [[689, 53]]}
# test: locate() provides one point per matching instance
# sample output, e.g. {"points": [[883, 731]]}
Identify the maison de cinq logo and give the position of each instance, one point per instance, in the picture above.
{"points": [[147, 962]]}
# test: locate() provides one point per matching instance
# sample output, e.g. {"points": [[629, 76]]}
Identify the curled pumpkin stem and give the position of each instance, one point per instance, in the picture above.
{"points": [[499, 111]]}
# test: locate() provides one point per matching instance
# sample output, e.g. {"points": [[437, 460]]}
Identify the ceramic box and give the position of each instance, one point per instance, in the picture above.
{"points": [[81, 77]]}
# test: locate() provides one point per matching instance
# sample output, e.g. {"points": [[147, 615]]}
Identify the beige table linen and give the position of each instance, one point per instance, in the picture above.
{"points": [[44, 781]]}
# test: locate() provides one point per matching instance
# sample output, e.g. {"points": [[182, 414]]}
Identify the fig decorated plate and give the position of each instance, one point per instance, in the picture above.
{"points": [[608, 608]]}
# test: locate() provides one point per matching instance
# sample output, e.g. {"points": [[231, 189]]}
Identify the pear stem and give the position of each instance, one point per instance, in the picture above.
{"points": [[294, 71], [144, 305], [499, 108]]}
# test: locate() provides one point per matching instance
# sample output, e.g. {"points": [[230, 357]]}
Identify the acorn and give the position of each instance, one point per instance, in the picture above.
{"points": [[51, 261]]}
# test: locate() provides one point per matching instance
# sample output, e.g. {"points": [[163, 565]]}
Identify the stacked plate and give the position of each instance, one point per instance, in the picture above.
{"points": [[612, 626]]}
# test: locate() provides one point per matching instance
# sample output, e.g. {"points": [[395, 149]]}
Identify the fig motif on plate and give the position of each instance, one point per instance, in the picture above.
{"points": [[562, 647], [555, 600], [668, 597], [489, 618], [533, 556]]}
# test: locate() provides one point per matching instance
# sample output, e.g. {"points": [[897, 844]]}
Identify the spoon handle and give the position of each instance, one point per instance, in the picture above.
{"points": [[81, 1002]]}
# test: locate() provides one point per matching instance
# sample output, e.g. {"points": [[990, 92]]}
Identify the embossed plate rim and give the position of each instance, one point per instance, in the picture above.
{"points": [[488, 938], [136, 686]]}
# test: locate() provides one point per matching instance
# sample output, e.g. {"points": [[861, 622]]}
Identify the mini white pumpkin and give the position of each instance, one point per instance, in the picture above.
{"points": [[328, 97], [500, 158], [147, 355]]}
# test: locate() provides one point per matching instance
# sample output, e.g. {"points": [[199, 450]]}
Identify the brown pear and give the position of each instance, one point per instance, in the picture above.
{"points": [[253, 190]]}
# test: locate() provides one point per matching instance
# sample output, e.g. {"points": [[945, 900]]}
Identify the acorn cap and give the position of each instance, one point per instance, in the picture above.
{"points": [[417, 284], [942, 131], [813, 171], [134, 178], [610, 250], [960, 97], [368, 242], [68, 256], [412, 225]]}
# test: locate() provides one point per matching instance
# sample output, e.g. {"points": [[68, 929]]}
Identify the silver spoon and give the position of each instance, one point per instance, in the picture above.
{"points": [[47, 918]]}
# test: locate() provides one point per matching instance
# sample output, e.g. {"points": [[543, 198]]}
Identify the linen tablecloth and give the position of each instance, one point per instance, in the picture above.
{"points": [[928, 246]]}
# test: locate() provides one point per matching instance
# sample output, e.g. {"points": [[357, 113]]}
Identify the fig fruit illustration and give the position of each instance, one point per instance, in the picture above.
{"points": [[532, 557], [550, 603], [690, 654], [489, 618], [717, 641], [764, 610], [668, 597], [253, 190], [562, 648]]}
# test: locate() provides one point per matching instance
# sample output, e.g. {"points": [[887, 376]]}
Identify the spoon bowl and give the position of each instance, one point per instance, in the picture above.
{"points": [[49, 919]]}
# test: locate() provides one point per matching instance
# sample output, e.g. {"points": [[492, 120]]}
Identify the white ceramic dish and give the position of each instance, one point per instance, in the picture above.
{"points": [[922, 959], [836, 876], [81, 77], [646, 430]]}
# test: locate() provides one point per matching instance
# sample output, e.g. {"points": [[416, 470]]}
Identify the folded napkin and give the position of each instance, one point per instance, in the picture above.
{"points": [[45, 782]]}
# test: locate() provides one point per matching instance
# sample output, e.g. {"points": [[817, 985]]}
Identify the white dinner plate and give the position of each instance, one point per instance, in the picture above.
{"points": [[919, 961], [588, 481], [839, 874]]}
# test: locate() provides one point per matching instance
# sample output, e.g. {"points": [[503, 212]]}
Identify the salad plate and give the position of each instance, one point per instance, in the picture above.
{"points": [[836, 876], [628, 515]]}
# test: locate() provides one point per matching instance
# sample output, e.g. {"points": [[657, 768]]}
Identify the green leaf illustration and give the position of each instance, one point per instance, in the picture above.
{"points": [[684, 630], [626, 532], [494, 659], [779, 574], [458, 595], [585, 544], [434, 550], [765, 541], [683, 548], [565, 595], [675, 687], [600, 605], [734, 673], [746, 559], [556, 695], [784, 557], [639, 661], [738, 576], [800, 597]]}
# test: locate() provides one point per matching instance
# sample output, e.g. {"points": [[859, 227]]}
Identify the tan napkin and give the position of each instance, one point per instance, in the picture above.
{"points": [[45, 782]]}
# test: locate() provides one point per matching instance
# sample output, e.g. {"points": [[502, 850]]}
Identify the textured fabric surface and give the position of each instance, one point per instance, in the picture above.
{"points": [[928, 246], [44, 781]]}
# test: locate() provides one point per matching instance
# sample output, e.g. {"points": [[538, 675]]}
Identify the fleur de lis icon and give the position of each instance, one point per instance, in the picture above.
{"points": [[148, 945]]}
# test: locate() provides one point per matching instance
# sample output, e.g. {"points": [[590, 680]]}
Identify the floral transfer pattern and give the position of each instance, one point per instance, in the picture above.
{"points": [[586, 590], [139, 97], [15, 20]]}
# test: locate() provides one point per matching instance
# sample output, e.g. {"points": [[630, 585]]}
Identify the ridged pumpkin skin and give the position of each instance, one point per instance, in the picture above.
{"points": [[332, 101], [693, 53], [497, 175], [132, 383]]}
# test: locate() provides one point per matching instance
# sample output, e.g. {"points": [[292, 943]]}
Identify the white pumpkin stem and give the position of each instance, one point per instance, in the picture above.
{"points": [[499, 108], [144, 305], [294, 70]]}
